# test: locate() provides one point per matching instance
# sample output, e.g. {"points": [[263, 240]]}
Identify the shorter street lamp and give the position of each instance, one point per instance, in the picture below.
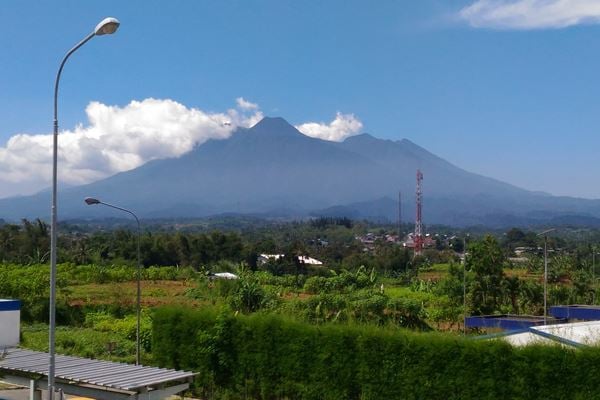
{"points": [[465, 285], [92, 201], [545, 233]]}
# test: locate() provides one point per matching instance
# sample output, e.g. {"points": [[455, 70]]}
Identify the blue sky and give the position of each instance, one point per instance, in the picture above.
{"points": [[504, 88]]}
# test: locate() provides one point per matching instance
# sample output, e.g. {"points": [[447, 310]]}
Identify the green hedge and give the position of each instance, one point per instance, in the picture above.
{"points": [[269, 357]]}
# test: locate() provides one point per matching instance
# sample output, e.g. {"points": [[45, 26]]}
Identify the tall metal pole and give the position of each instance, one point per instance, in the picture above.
{"points": [[399, 216], [91, 201], [53, 227], [139, 297], [106, 26]]}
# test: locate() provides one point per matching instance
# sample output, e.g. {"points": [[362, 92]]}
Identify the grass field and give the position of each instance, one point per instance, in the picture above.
{"points": [[154, 293]]}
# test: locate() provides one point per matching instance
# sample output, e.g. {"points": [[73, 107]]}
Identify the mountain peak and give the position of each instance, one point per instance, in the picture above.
{"points": [[362, 138], [274, 125]]}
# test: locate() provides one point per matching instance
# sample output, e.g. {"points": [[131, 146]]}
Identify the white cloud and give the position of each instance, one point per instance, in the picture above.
{"points": [[244, 104], [531, 14], [122, 138], [116, 139], [343, 126]]}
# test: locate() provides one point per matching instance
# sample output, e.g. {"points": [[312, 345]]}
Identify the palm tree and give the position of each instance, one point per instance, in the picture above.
{"points": [[512, 288]]}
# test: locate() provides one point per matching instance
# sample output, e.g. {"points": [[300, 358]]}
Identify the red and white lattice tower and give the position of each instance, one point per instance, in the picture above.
{"points": [[419, 222]]}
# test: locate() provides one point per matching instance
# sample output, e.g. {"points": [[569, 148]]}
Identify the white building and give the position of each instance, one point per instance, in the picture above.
{"points": [[265, 258]]}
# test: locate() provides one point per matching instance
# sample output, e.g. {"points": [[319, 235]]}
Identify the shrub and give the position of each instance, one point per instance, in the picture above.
{"points": [[270, 357], [343, 282]]}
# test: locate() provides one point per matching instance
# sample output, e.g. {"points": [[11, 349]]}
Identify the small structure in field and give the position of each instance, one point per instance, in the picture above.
{"points": [[306, 260]]}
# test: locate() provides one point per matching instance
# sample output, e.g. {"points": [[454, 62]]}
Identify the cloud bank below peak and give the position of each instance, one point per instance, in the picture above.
{"points": [[120, 138], [116, 139], [530, 14]]}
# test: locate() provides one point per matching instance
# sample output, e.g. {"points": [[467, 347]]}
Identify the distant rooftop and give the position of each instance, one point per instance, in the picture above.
{"points": [[302, 259]]}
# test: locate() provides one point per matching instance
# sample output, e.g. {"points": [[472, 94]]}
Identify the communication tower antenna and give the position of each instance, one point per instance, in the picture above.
{"points": [[419, 221]]}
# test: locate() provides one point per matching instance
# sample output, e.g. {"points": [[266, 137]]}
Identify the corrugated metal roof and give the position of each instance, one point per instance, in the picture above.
{"points": [[108, 374]]}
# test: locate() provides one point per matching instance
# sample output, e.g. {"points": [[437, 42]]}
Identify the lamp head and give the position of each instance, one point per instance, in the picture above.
{"points": [[90, 201], [107, 26], [546, 231]]}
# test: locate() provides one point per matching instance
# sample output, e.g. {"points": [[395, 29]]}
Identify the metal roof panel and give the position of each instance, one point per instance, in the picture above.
{"points": [[114, 375]]}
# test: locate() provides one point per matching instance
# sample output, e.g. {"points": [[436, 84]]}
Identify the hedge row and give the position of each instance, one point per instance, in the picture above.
{"points": [[270, 357]]}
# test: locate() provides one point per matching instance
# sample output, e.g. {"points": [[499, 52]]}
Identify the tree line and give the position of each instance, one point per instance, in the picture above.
{"points": [[29, 243]]}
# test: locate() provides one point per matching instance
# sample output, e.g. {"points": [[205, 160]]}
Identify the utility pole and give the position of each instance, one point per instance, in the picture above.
{"points": [[545, 234], [399, 216]]}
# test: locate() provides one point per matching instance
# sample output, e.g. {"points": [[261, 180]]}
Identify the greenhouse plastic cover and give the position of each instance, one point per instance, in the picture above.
{"points": [[575, 334]]}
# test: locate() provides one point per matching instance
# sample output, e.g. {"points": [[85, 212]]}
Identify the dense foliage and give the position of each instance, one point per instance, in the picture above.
{"points": [[29, 243], [294, 321], [269, 357], [101, 336]]}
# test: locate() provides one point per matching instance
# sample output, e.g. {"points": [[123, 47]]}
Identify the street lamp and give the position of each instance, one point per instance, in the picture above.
{"points": [[92, 201], [465, 285], [545, 233], [106, 26]]}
